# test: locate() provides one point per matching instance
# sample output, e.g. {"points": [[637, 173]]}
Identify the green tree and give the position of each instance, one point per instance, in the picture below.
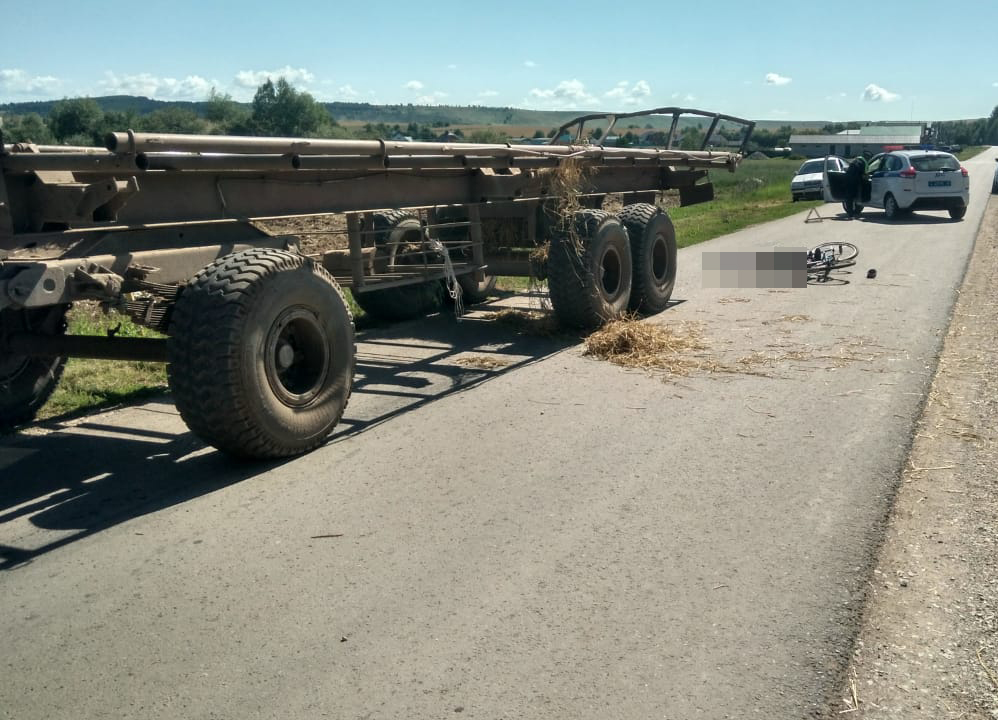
{"points": [[28, 128], [76, 120], [279, 109], [172, 119], [223, 112], [692, 139]]}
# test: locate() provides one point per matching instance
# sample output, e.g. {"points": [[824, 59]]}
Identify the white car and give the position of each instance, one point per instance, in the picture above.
{"points": [[907, 180], [807, 182]]}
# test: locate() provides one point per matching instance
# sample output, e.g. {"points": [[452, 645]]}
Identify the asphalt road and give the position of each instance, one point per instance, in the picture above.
{"points": [[555, 538]]}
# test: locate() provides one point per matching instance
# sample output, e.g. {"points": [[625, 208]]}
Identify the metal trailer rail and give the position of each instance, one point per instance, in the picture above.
{"points": [[173, 230]]}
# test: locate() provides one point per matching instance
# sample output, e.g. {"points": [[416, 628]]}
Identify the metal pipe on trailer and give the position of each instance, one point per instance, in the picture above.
{"points": [[129, 142]]}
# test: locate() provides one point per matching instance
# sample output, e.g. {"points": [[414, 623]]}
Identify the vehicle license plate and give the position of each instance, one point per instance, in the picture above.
{"points": [[939, 183]]}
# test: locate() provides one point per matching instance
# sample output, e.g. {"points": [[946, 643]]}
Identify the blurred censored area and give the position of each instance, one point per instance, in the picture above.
{"points": [[781, 268]]}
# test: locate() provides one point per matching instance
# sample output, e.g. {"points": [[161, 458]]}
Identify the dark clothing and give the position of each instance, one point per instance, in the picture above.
{"points": [[854, 179]]}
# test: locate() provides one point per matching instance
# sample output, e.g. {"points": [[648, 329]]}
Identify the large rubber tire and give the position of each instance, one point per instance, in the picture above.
{"points": [[590, 280], [392, 229], [653, 256], [473, 291], [957, 213], [891, 209], [27, 382], [261, 354]]}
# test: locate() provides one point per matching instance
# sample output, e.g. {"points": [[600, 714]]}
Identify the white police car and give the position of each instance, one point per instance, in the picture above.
{"points": [[903, 181]]}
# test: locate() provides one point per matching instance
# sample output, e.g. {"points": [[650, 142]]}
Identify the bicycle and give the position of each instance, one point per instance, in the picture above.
{"points": [[824, 258]]}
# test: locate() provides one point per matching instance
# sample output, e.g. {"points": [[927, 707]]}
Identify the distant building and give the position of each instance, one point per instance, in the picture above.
{"points": [[874, 138]]}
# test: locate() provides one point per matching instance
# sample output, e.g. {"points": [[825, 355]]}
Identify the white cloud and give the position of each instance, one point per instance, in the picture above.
{"points": [[777, 79], [568, 95], [192, 87], [994, 84], [529, 63], [628, 94], [875, 93], [19, 82], [452, 66], [488, 93], [430, 99], [688, 97], [254, 78], [347, 92], [414, 85]]}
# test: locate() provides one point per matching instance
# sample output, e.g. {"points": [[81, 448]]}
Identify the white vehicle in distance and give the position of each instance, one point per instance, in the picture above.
{"points": [[807, 182], [903, 181]]}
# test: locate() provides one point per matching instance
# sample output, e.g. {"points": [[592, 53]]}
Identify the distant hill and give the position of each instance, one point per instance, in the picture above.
{"points": [[440, 115]]}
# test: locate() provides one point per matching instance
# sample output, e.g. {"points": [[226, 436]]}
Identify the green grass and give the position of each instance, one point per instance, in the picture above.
{"points": [[91, 384], [969, 152], [759, 191]]}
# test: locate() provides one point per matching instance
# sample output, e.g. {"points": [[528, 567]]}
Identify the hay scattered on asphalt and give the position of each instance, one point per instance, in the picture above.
{"points": [[631, 343], [483, 362], [529, 322]]}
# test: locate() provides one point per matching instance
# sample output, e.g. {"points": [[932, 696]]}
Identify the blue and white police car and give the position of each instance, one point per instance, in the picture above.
{"points": [[903, 181]]}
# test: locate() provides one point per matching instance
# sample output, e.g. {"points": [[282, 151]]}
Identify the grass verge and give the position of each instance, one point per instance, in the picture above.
{"points": [[92, 384]]}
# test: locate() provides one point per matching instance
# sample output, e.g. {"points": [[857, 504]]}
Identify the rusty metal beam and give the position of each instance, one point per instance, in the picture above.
{"points": [[86, 346]]}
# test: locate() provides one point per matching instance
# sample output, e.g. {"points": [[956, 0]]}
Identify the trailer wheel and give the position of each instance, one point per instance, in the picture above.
{"points": [[27, 382], [472, 291], [261, 354], [589, 271], [393, 229], [653, 252]]}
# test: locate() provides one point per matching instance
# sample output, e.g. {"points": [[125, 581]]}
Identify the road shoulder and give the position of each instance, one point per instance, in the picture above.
{"points": [[928, 644]]}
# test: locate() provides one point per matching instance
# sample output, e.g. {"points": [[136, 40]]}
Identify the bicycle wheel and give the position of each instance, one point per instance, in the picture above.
{"points": [[840, 250]]}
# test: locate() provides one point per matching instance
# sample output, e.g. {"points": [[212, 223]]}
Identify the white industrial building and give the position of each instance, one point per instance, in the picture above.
{"points": [[849, 143]]}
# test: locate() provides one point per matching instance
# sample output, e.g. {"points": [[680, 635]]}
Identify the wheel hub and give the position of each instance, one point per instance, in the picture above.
{"points": [[297, 357], [610, 268], [659, 259]]}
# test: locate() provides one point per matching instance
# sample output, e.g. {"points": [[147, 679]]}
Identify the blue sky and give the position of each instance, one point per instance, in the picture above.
{"points": [[765, 61]]}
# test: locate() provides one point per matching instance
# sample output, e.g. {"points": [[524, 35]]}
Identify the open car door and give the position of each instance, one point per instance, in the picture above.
{"points": [[833, 184]]}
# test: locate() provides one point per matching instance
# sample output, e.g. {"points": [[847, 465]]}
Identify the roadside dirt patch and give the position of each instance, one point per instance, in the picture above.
{"points": [[315, 233], [928, 645]]}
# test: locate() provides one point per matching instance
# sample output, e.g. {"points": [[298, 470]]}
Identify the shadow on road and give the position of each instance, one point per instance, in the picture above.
{"points": [[93, 473], [877, 217], [81, 480], [397, 373]]}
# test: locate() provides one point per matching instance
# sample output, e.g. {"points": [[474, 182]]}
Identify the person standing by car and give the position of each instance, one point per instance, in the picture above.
{"points": [[854, 185]]}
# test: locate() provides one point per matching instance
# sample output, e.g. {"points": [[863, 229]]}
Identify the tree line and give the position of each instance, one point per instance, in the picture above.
{"points": [[278, 109]]}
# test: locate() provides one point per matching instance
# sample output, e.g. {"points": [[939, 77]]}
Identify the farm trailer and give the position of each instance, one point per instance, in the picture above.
{"points": [[172, 231]]}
